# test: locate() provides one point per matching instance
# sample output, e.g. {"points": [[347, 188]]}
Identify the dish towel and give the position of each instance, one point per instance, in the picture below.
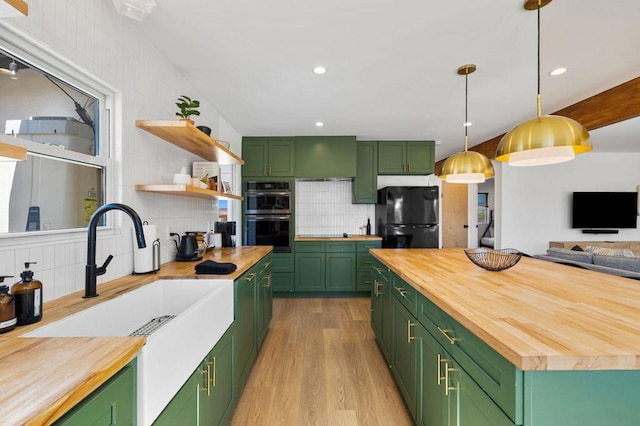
{"points": [[217, 268]]}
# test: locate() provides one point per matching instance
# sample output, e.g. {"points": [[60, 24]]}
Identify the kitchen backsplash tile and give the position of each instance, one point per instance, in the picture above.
{"points": [[325, 208]]}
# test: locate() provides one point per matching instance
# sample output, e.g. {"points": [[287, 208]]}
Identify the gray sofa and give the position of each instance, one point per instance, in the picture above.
{"points": [[628, 267]]}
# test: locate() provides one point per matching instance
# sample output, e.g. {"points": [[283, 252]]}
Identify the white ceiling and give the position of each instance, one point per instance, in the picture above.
{"points": [[392, 63]]}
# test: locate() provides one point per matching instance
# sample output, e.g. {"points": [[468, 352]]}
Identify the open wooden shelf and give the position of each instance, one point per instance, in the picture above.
{"points": [[186, 191], [188, 137]]}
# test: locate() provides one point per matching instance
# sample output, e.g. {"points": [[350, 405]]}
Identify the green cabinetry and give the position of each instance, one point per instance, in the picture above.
{"points": [[365, 184], [268, 156], [406, 157], [264, 300], [282, 272], [381, 299], [112, 403], [245, 326], [324, 156], [333, 266], [404, 353], [206, 397]]}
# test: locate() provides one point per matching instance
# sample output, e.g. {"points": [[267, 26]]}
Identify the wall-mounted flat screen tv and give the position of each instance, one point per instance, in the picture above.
{"points": [[608, 210]]}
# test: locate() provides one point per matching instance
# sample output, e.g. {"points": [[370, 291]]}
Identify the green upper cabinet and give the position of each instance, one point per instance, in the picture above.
{"points": [[325, 156], [406, 157], [268, 156], [365, 185]]}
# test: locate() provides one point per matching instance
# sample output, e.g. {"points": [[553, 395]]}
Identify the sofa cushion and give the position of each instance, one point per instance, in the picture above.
{"points": [[609, 251], [575, 256], [626, 263]]}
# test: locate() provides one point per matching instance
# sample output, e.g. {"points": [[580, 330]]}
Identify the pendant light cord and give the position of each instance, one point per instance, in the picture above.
{"points": [[466, 108], [539, 97]]}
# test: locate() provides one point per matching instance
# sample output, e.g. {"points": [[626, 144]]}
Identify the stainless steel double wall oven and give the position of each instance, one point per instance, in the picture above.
{"points": [[268, 208]]}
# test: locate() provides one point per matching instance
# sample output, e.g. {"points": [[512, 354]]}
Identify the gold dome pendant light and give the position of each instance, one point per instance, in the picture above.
{"points": [[466, 166], [547, 139]]}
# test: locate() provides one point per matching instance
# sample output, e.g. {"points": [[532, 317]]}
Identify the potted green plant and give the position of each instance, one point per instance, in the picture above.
{"points": [[187, 108]]}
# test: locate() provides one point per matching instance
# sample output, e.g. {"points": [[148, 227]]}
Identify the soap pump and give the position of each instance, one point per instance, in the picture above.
{"points": [[7, 307], [28, 296]]}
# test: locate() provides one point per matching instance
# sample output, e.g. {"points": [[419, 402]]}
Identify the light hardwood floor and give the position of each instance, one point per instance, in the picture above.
{"points": [[320, 365]]}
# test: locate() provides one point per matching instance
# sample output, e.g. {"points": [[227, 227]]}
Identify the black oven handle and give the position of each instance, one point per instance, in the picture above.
{"points": [[285, 193], [268, 217]]}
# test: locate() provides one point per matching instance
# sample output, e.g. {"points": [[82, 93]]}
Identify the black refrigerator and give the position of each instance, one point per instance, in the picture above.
{"points": [[407, 216]]}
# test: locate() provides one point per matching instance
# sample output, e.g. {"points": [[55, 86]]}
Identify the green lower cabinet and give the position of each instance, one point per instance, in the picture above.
{"points": [[282, 272], [364, 281], [206, 397], [404, 354], [245, 325], [433, 405], [216, 383], [114, 403], [183, 408], [264, 304], [310, 269], [340, 273]]}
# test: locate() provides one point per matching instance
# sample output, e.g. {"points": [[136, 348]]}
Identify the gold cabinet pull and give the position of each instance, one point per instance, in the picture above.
{"points": [[451, 340], [401, 290], [207, 371], [447, 388], [266, 265], [409, 336], [403, 168], [408, 167], [213, 376], [379, 270], [440, 359], [367, 262], [268, 284], [265, 171], [376, 292], [250, 277]]}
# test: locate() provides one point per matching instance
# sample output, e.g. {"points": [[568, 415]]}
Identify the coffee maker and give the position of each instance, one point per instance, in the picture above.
{"points": [[228, 232]]}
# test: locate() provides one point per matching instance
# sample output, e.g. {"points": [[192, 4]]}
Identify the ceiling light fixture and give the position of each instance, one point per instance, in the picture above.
{"points": [[558, 71], [135, 9], [319, 124], [319, 70], [10, 152], [548, 139], [466, 166], [13, 70]]}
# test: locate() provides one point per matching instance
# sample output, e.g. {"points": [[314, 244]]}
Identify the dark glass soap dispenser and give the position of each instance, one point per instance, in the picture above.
{"points": [[7, 307], [28, 297]]}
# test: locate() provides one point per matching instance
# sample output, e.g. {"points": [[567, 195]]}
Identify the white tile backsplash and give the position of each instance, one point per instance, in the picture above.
{"points": [[324, 207]]}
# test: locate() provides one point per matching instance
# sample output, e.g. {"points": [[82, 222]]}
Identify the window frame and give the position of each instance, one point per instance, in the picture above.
{"points": [[43, 58]]}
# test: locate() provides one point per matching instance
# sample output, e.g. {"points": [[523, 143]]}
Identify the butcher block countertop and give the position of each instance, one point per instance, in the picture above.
{"points": [[42, 378], [539, 315], [349, 237]]}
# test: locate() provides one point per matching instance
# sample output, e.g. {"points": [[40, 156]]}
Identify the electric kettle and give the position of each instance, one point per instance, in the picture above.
{"points": [[188, 248]]}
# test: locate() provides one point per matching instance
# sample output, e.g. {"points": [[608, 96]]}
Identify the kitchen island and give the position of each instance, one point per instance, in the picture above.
{"points": [[546, 344], [42, 378]]}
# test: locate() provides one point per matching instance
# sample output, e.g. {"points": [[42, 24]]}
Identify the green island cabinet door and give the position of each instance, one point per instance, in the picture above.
{"points": [[113, 403], [216, 382], [404, 354], [365, 184], [433, 404]]}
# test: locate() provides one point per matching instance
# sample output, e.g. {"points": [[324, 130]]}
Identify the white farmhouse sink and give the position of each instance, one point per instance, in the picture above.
{"points": [[203, 311]]}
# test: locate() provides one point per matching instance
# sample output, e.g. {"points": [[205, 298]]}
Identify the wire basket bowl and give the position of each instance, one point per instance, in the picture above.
{"points": [[494, 260]]}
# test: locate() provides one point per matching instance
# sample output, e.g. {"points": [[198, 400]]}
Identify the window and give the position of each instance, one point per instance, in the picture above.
{"points": [[60, 123]]}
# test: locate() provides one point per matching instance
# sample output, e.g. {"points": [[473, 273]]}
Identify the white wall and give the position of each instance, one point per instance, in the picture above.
{"points": [[92, 36], [534, 203]]}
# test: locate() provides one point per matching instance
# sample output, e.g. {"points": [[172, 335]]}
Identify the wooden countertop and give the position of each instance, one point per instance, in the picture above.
{"points": [[539, 315], [348, 238], [66, 370]]}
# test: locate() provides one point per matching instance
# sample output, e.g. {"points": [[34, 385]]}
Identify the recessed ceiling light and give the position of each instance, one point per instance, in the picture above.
{"points": [[558, 71], [319, 70], [319, 124]]}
